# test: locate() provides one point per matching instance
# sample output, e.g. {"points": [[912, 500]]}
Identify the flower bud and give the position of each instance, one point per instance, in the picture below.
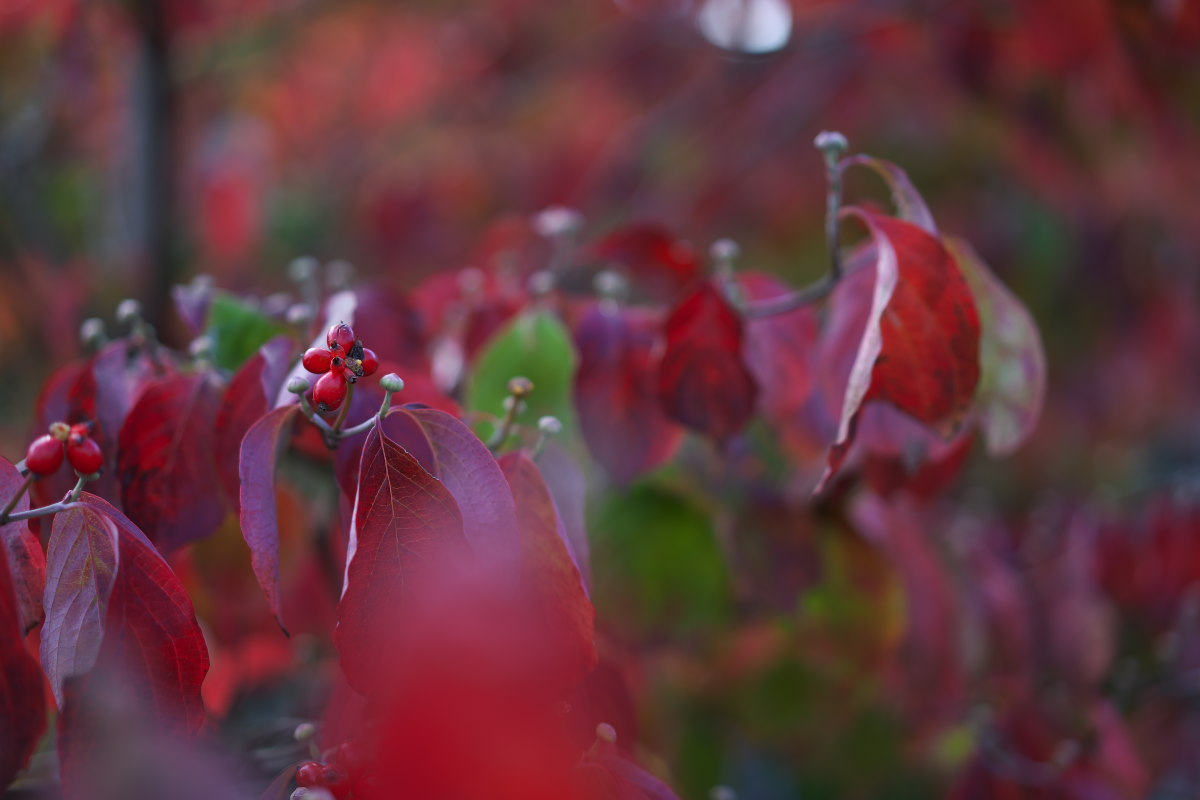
{"points": [[303, 268], [520, 386], [557, 221], [606, 733], [128, 310], [299, 314], [297, 385], [92, 332], [551, 426], [304, 731], [831, 143], [392, 382]]}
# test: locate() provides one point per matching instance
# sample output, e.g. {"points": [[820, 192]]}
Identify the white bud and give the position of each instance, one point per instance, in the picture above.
{"points": [[303, 268], [831, 143], [541, 283], [312, 793], [557, 221], [606, 733], [339, 274], [551, 426], [610, 283], [128, 310], [392, 383], [201, 347], [304, 731], [299, 314], [92, 332], [722, 793], [724, 250]]}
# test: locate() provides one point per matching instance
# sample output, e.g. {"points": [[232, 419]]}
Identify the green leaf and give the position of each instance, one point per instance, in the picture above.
{"points": [[536, 345], [238, 330], [657, 567]]}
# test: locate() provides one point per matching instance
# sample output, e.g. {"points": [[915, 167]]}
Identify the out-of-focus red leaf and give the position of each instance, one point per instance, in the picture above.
{"points": [[405, 522], [468, 469], [910, 206], [259, 514], [389, 324], [250, 394], [616, 392], [105, 394], [568, 486], [930, 667], [82, 563], [659, 263], [920, 348], [779, 350], [22, 701], [548, 570], [26, 561], [703, 381], [151, 637], [1012, 361], [168, 474]]}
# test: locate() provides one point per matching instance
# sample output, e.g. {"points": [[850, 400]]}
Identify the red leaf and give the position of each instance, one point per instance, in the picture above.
{"points": [[404, 522], [616, 392], [22, 701], [549, 571], [659, 263], [82, 561], [259, 514], [26, 561], [1012, 362], [468, 469], [151, 641], [604, 774], [165, 463], [910, 206], [920, 348], [703, 381], [250, 395]]}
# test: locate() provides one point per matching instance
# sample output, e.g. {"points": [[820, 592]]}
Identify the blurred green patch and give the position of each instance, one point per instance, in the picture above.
{"points": [[237, 330]]}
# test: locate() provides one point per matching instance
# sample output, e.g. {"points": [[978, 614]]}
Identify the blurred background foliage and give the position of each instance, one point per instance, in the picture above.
{"points": [[143, 142]]}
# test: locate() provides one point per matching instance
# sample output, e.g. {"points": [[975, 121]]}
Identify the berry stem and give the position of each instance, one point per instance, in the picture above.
{"points": [[335, 433], [16, 498], [367, 424], [832, 146], [307, 410]]}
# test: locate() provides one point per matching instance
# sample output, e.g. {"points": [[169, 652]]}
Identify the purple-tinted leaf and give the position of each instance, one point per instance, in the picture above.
{"points": [[405, 522], [82, 563], [168, 475], [909, 203], [658, 263], [468, 469], [26, 561], [1012, 362], [192, 302], [703, 380], [616, 392], [250, 394], [779, 350], [151, 636], [22, 701], [259, 513]]}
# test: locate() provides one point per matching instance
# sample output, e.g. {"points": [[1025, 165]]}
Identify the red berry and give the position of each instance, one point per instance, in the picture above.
{"points": [[309, 774], [84, 455], [316, 360], [340, 336], [330, 391], [81, 429], [45, 455], [370, 362], [336, 781]]}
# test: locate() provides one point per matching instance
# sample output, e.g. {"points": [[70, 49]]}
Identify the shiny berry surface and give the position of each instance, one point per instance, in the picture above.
{"points": [[309, 773], [84, 455], [317, 360], [340, 337], [330, 391], [45, 455]]}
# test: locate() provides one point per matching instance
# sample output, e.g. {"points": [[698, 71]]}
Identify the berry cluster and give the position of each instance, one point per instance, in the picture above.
{"points": [[45, 454], [341, 779], [343, 363]]}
